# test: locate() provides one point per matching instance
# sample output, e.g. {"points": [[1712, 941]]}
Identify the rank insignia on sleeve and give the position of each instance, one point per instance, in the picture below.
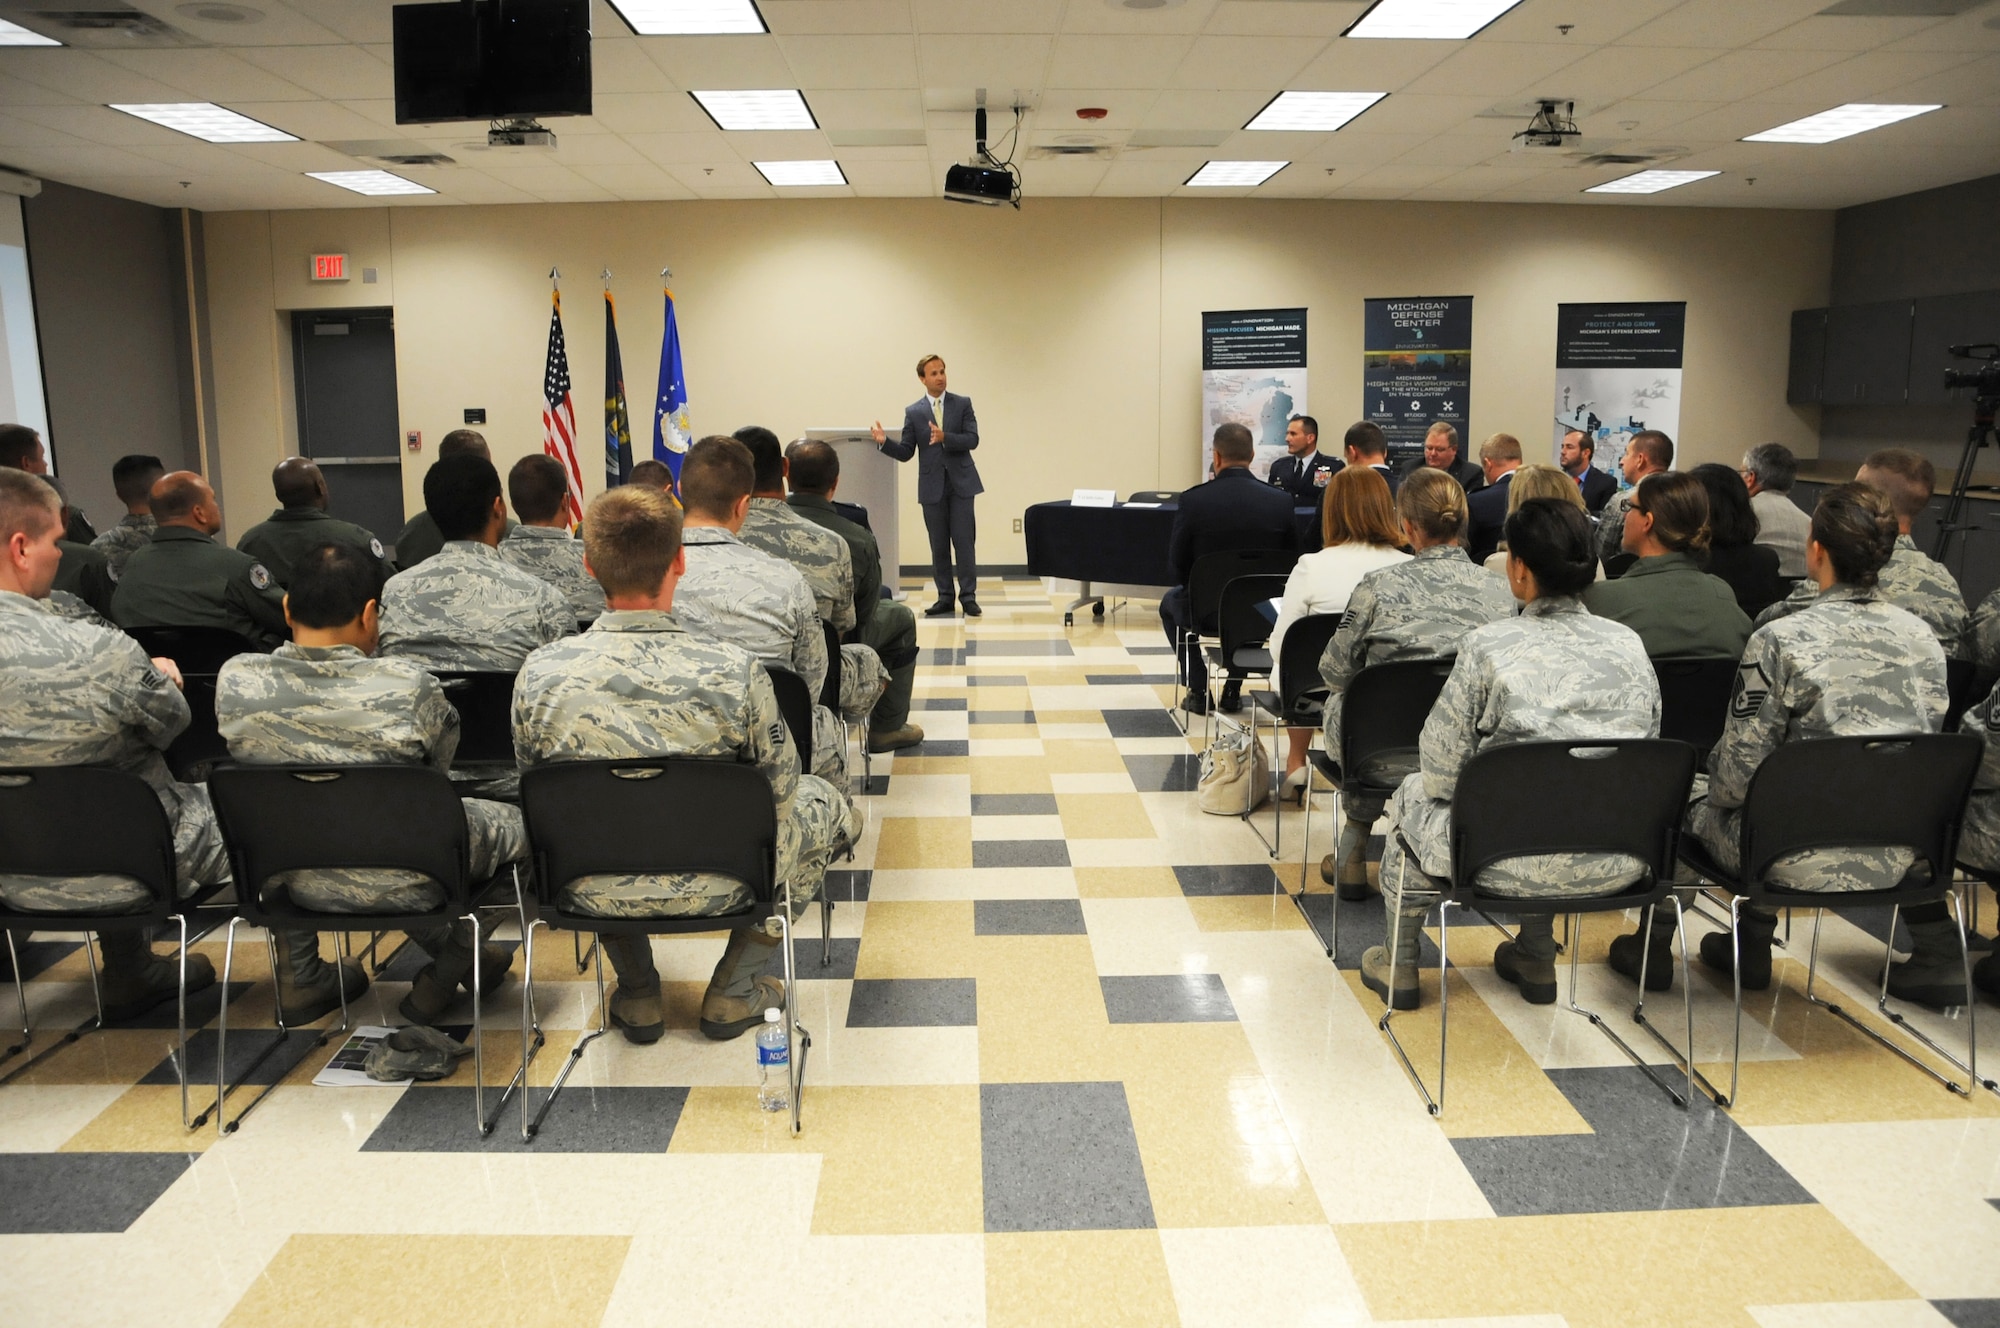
{"points": [[1751, 689]]}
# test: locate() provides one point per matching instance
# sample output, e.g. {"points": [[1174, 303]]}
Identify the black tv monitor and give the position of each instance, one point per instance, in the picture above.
{"points": [[491, 59]]}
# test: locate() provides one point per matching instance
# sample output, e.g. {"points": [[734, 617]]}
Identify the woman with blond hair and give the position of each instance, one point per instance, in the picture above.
{"points": [[1359, 534], [1537, 481]]}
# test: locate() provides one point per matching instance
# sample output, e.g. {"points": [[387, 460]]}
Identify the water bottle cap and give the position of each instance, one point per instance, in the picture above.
{"points": [[772, 1016]]}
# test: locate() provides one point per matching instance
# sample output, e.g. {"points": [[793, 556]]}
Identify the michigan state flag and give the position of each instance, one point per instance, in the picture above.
{"points": [[617, 420], [671, 431]]}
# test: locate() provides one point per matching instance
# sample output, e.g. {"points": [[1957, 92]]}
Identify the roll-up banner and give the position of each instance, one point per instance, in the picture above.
{"points": [[1618, 371], [1253, 373], [1417, 370]]}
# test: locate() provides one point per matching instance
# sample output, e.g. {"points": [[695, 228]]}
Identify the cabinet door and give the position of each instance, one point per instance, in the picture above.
{"points": [[1808, 361], [1948, 320], [1867, 354]]}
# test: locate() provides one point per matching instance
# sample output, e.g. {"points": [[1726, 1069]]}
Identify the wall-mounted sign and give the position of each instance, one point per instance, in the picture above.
{"points": [[329, 267], [1253, 373], [1416, 370]]}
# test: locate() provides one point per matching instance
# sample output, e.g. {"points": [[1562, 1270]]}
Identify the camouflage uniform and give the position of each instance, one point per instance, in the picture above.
{"points": [[183, 578], [734, 593], [554, 556], [76, 694], [639, 683], [888, 628], [65, 605], [85, 572], [466, 610], [1979, 836], [827, 564], [1984, 633], [1611, 526], [1910, 580], [1850, 664], [291, 533], [336, 706], [122, 540], [1554, 672]]}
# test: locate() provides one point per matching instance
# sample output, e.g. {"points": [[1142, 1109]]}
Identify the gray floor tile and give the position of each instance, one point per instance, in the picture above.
{"points": [[1140, 723], [1645, 1155], [938, 703], [876, 786], [202, 1007], [914, 1003], [1165, 774], [845, 887], [1027, 917], [1149, 650], [583, 1120], [996, 680], [245, 1046], [1128, 679], [1247, 878], [1015, 804], [1176, 998], [1000, 717], [1020, 853], [37, 957], [82, 1192], [986, 646], [1362, 924], [1061, 1157], [1969, 1313], [946, 655], [937, 747], [842, 954]]}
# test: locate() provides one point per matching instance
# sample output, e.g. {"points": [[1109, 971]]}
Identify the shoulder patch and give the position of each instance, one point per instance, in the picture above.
{"points": [[1751, 689], [778, 734], [375, 547], [260, 576], [1320, 476]]}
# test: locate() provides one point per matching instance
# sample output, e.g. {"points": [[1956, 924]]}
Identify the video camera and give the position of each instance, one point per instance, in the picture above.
{"points": [[1985, 380]]}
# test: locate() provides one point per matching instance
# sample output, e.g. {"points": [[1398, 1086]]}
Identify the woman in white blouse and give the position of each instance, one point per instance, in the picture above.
{"points": [[1359, 531]]}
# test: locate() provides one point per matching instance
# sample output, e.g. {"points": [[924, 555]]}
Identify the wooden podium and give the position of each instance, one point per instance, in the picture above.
{"points": [[869, 479]]}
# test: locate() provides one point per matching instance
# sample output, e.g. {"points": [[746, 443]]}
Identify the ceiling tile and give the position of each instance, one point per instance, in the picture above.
{"points": [[720, 62], [326, 71], [1721, 22], [1844, 33], [1976, 83], [1018, 16], [1867, 77], [890, 179], [86, 76], [996, 63], [1127, 178], [1126, 109], [686, 149], [1097, 16], [1244, 62], [648, 113], [1613, 73], [706, 178], [624, 67], [779, 145], [1284, 18], [1410, 113], [1205, 110], [1497, 69], [1973, 30], [353, 22], [1590, 25], [1368, 66], [278, 26], [788, 17], [1742, 74], [900, 108], [1116, 62], [850, 62], [640, 181], [216, 76]]}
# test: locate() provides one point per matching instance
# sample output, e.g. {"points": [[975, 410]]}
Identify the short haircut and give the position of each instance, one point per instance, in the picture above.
{"points": [[463, 440], [1365, 437], [651, 473], [1501, 447], [1678, 504], [1444, 429], [1584, 442], [175, 495], [332, 584], [292, 485], [536, 485], [132, 476], [1433, 502], [1907, 477], [1233, 444], [1555, 540], [1357, 509], [1308, 423], [1731, 520], [29, 505], [925, 361], [814, 466], [1856, 525], [18, 445], [767, 456], [1540, 481], [631, 535], [1656, 447], [716, 474], [458, 493], [1772, 465]]}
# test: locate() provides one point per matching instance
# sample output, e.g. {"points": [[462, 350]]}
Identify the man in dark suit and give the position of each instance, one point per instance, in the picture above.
{"points": [[940, 430], [1303, 472], [1231, 511], [1362, 445], [1486, 511], [1578, 458], [1441, 453]]}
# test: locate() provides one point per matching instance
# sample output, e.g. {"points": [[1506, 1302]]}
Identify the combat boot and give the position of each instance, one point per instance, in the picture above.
{"points": [[1656, 948], [1934, 974], [136, 980], [1346, 868], [1756, 927], [737, 996], [309, 988], [635, 1006], [1378, 974], [436, 986], [1529, 960]]}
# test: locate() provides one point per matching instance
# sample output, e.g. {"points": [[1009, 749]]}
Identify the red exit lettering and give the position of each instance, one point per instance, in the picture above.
{"points": [[329, 267]]}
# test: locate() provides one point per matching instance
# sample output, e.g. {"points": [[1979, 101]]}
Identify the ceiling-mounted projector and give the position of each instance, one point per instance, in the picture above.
{"points": [[1550, 130], [985, 179]]}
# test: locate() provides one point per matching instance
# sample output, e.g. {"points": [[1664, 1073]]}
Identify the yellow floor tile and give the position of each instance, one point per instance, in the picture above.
{"points": [[1105, 816], [1076, 756], [1041, 1010], [993, 731], [1246, 913], [1127, 883], [1011, 774], [146, 1118], [999, 698], [1673, 1269], [1082, 1279], [109, 1056], [938, 842], [930, 765], [917, 939], [519, 1281]]}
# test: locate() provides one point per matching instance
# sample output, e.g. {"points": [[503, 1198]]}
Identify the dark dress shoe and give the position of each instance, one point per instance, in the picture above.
{"points": [[970, 607], [941, 609]]}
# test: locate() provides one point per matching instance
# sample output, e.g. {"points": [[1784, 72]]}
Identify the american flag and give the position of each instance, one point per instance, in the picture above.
{"points": [[559, 415]]}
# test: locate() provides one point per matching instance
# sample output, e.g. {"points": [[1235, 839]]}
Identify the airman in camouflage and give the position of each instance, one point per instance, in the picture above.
{"points": [[552, 555], [184, 578], [820, 555], [1984, 633], [1979, 837], [132, 478], [468, 610], [119, 543], [301, 525], [1911, 580]]}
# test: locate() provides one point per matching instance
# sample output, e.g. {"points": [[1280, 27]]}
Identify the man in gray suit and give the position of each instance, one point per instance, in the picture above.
{"points": [[940, 430]]}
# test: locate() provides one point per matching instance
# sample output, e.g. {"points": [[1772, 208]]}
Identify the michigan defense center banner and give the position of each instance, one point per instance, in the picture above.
{"points": [[1618, 371], [1253, 373], [1416, 370]]}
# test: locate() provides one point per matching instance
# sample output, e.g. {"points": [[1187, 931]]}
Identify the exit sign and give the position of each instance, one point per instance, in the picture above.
{"points": [[329, 267]]}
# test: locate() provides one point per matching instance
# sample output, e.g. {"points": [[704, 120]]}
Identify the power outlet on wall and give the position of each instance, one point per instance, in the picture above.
{"points": [[1017, 525]]}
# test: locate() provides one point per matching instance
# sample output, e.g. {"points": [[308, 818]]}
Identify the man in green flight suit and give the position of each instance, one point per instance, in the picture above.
{"points": [[183, 578], [301, 523]]}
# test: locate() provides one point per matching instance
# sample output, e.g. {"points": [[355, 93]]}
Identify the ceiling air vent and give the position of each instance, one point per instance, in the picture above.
{"points": [[1054, 150], [418, 159], [1617, 159], [110, 28]]}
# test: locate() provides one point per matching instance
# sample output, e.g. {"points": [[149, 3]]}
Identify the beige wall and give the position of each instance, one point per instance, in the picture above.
{"points": [[1073, 324]]}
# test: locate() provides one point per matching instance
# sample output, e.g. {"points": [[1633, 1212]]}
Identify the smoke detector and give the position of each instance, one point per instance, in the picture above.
{"points": [[1550, 129]]}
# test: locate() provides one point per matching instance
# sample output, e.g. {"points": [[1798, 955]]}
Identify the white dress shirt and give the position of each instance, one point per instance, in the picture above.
{"points": [[1321, 582]]}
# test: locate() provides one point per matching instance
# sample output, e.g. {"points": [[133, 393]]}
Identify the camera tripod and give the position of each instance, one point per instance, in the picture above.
{"points": [[1979, 435]]}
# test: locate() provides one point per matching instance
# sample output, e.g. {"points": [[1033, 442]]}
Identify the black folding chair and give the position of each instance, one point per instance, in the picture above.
{"points": [[1961, 687], [829, 696], [485, 704], [279, 819], [1905, 791], [1502, 809], [1206, 579], [1244, 630], [192, 649], [95, 821], [1694, 701], [795, 703], [1301, 704], [1382, 716], [632, 817], [199, 653]]}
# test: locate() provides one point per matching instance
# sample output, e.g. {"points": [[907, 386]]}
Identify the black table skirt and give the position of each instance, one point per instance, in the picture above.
{"points": [[1120, 545]]}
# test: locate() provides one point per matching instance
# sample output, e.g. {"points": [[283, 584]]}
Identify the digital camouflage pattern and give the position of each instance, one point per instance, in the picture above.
{"points": [[464, 609], [1985, 635], [119, 542], [864, 554], [640, 683], [1979, 836], [333, 705], [65, 605], [1611, 526], [290, 533], [553, 556], [821, 556], [1554, 672], [183, 578], [1848, 665], [1910, 580], [72, 693], [886, 627]]}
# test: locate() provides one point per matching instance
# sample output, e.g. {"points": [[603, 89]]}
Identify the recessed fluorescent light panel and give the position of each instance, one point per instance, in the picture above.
{"points": [[374, 183], [1856, 117], [1650, 182], [1234, 174], [795, 174], [1322, 111], [13, 34], [206, 121], [1429, 20], [679, 18], [769, 108]]}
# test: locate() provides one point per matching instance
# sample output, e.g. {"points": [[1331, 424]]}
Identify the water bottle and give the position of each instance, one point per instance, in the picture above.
{"points": [[774, 1064]]}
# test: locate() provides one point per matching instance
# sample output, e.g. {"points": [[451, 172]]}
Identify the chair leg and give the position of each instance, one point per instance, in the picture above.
{"points": [[1305, 866], [1575, 927], [582, 960], [1685, 1060], [825, 927], [1435, 1105], [1736, 981], [96, 1021], [21, 999], [223, 1125], [531, 1128], [797, 1039]]}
